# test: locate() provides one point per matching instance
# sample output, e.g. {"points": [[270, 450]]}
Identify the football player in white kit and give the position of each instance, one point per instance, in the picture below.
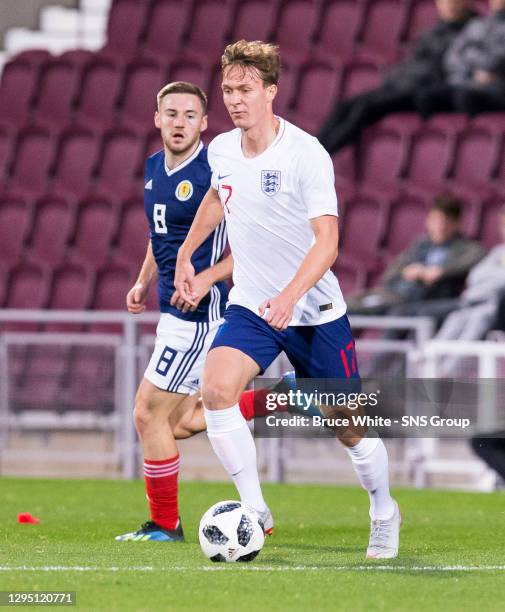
{"points": [[274, 185]]}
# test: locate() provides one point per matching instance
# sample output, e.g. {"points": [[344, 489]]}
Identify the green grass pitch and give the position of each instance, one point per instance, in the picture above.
{"points": [[452, 553]]}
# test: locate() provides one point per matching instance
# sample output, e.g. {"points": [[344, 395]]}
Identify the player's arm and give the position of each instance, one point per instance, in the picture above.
{"points": [[137, 296], [318, 260], [208, 217], [203, 282]]}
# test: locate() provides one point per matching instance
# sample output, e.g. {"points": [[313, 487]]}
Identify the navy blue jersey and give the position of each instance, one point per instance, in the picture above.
{"points": [[171, 199]]}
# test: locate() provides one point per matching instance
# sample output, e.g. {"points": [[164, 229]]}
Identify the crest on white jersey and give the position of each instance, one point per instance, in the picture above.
{"points": [[149, 184], [270, 181]]}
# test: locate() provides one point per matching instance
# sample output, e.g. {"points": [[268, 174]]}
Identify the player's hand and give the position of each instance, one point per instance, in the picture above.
{"points": [[201, 286], [278, 311], [183, 280], [136, 298], [413, 272], [483, 77], [432, 274]]}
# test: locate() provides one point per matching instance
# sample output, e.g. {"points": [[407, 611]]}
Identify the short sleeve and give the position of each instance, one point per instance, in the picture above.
{"points": [[211, 158], [317, 182]]}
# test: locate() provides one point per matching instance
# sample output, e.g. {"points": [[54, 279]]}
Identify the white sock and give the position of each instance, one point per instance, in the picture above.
{"points": [[233, 443], [370, 460]]}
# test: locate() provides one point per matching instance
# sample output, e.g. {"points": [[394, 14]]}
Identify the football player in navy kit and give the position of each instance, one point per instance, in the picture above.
{"points": [[176, 179]]}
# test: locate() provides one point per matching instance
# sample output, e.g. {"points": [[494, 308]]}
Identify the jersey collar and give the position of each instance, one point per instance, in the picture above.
{"points": [[185, 162]]}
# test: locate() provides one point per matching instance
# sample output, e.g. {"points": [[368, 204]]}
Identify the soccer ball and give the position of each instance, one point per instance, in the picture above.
{"points": [[231, 531]]}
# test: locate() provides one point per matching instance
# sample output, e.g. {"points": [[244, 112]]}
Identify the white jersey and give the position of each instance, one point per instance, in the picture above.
{"points": [[268, 202]]}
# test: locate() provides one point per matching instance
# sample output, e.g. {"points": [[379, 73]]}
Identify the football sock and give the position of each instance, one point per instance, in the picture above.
{"points": [[161, 488], [234, 446], [370, 460], [254, 404]]}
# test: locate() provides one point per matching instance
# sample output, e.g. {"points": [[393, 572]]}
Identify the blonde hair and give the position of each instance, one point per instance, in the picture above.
{"points": [[263, 57], [182, 87]]}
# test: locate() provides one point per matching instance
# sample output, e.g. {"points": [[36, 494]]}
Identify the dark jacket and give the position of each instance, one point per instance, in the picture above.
{"points": [[461, 254], [480, 46], [425, 64]]}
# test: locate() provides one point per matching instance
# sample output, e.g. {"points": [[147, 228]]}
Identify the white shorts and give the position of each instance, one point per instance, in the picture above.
{"points": [[176, 364]]}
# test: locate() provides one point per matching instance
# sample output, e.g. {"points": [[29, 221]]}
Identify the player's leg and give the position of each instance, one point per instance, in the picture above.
{"points": [[332, 351], [244, 346]]}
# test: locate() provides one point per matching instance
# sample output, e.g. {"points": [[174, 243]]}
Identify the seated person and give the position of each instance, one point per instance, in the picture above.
{"points": [[475, 68], [428, 276], [424, 67]]}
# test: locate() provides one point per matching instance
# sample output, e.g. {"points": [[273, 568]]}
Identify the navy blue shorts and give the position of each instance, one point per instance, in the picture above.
{"points": [[316, 351]]}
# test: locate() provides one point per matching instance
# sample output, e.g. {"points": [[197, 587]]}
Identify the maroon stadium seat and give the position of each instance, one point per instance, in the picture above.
{"points": [[351, 277], [53, 222], [490, 224], [97, 102], [16, 91], [219, 118], [96, 225], [450, 123], [344, 166], [166, 27], [339, 28], [42, 378], [209, 26], [382, 156], [383, 23], [362, 227], [255, 19], [133, 234], [125, 26], [15, 222], [153, 144], [423, 15], [35, 57], [429, 158], [193, 71], [406, 222], [34, 155], [119, 161], [500, 167], [76, 160], [475, 158], [78, 57], [56, 92], [316, 93], [143, 81], [28, 286], [359, 76], [113, 282], [5, 154], [4, 283], [298, 21], [287, 90]]}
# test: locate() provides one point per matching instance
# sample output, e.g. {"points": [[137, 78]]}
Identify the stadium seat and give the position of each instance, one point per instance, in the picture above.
{"points": [[138, 102], [316, 92], [475, 158], [219, 118], [78, 57], [490, 233], [5, 154], [133, 234], [89, 380], [428, 160], [113, 281], [296, 28], [351, 278], [76, 160], [500, 167], [95, 228], [339, 28], [382, 157], [255, 19], [165, 29], [16, 91], [52, 225], [382, 27], [494, 122], [405, 222], [118, 163], [450, 123], [362, 227], [344, 166], [101, 84], [193, 71], [28, 288], [15, 222], [124, 29], [71, 289], [209, 26], [359, 76], [33, 158], [42, 379], [56, 92], [153, 145], [286, 93], [34, 57], [4, 283], [422, 16]]}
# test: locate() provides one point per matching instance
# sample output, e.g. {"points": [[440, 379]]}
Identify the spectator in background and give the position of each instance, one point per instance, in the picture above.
{"points": [[475, 67], [427, 277], [396, 94]]}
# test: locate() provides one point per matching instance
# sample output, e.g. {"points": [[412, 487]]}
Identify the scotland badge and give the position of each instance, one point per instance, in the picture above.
{"points": [[270, 181]]}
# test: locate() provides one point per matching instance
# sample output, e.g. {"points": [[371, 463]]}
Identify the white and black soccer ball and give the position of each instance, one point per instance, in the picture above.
{"points": [[231, 531]]}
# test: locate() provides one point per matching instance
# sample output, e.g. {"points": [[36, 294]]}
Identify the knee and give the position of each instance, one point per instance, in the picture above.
{"points": [[142, 414], [218, 394]]}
